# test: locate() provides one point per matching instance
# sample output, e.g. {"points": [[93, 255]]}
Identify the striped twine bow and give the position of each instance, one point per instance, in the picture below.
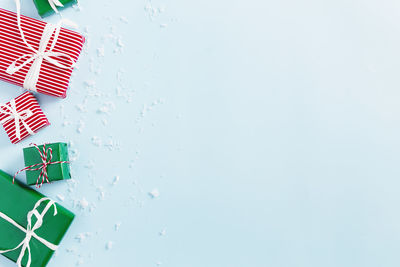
{"points": [[30, 230], [46, 156], [13, 114], [38, 56]]}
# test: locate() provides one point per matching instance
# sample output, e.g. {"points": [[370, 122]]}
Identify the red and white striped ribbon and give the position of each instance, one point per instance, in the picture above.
{"points": [[46, 156], [51, 79], [30, 116]]}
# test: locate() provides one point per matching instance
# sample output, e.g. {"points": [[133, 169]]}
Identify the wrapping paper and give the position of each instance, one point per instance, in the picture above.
{"points": [[16, 200], [52, 79], [36, 121]]}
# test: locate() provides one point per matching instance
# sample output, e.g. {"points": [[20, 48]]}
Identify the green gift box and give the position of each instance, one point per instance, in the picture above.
{"points": [[31, 225], [48, 7], [46, 163]]}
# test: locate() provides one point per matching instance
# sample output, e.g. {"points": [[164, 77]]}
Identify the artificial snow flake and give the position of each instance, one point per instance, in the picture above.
{"points": [[109, 245], [154, 193]]}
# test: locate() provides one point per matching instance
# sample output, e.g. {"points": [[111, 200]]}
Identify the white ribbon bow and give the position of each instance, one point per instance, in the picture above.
{"points": [[39, 55], [13, 114], [30, 230], [54, 3]]}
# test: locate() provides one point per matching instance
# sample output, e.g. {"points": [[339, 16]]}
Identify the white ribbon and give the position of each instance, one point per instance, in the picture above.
{"points": [[30, 230], [39, 55], [54, 4], [13, 114]]}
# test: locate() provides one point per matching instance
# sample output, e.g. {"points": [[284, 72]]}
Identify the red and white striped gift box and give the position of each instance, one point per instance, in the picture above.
{"points": [[36, 121], [52, 80]]}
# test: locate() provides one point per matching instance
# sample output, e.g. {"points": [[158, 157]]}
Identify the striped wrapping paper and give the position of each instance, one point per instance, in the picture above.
{"points": [[52, 80], [37, 121]]}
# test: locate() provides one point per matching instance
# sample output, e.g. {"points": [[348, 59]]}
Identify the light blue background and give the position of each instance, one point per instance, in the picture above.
{"points": [[270, 128]]}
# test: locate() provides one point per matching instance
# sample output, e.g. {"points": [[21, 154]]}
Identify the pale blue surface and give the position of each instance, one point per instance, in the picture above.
{"points": [[276, 143]]}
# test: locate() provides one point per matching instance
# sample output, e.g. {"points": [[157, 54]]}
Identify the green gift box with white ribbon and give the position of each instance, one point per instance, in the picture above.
{"points": [[31, 225]]}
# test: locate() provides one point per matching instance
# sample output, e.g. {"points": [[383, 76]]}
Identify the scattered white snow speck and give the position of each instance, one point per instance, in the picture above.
{"points": [[81, 125], [150, 10], [73, 154], [115, 180], [82, 236], [120, 72], [83, 203], [96, 141], [101, 192], [112, 145], [120, 43], [123, 19], [109, 245], [100, 51], [90, 83], [60, 197], [80, 262], [117, 226], [72, 183], [119, 46], [106, 108], [66, 123], [89, 165], [154, 193], [82, 107], [163, 232], [70, 250]]}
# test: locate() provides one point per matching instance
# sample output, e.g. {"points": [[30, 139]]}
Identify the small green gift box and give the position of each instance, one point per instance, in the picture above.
{"points": [[31, 225], [46, 163], [48, 7]]}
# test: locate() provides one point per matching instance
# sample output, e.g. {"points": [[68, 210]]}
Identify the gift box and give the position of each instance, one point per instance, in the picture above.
{"points": [[31, 225], [46, 163], [37, 56], [21, 117], [48, 7]]}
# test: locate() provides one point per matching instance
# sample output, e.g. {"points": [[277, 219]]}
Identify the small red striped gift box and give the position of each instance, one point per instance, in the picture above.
{"points": [[22, 117], [36, 55]]}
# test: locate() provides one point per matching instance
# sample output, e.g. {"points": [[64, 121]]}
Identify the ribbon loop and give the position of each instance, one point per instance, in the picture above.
{"points": [[37, 56], [18, 117], [30, 231]]}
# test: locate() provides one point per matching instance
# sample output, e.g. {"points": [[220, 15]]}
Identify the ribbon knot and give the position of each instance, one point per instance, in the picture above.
{"points": [[41, 54], [46, 156], [30, 230], [18, 117], [29, 234]]}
